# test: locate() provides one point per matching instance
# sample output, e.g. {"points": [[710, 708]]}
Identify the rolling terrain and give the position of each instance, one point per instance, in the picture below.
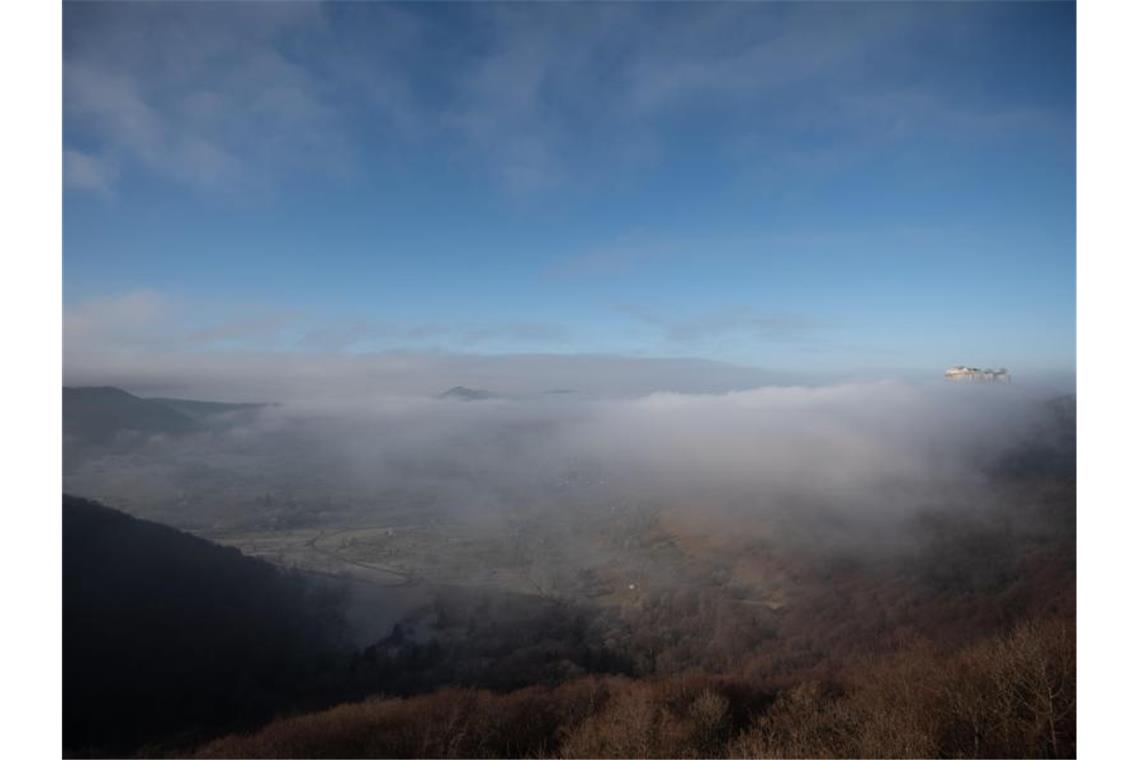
{"points": [[630, 622]]}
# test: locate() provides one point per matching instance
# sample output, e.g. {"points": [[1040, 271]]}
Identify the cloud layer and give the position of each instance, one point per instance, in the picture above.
{"points": [[853, 461], [242, 96]]}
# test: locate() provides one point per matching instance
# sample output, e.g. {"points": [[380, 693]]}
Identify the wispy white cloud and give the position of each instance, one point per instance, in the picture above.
{"points": [[561, 88], [360, 333], [626, 253], [125, 320], [202, 95], [150, 342], [146, 321], [738, 322], [85, 171], [240, 95]]}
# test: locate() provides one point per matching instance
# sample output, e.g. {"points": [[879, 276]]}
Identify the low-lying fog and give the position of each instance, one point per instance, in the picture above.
{"points": [[861, 452], [580, 497]]}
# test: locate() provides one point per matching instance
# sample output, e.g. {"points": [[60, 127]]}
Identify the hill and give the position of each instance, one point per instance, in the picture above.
{"points": [[462, 393], [105, 420], [171, 640], [168, 637], [97, 415]]}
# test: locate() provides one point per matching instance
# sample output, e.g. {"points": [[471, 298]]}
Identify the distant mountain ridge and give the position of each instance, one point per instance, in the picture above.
{"points": [[462, 393], [97, 414]]}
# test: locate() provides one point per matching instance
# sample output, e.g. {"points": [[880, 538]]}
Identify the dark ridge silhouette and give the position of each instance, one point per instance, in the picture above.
{"points": [[462, 393], [97, 415], [202, 410], [169, 638]]}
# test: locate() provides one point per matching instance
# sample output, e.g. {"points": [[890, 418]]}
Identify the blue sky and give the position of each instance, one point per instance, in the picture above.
{"points": [[843, 189]]}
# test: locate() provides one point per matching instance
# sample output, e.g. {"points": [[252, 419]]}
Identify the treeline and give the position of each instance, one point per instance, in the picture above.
{"points": [[491, 640], [1012, 695]]}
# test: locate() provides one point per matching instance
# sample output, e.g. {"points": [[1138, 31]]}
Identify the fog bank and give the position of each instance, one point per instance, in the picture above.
{"points": [[859, 453]]}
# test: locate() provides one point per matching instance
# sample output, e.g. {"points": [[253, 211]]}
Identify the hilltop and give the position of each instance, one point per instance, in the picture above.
{"points": [[98, 414], [462, 393]]}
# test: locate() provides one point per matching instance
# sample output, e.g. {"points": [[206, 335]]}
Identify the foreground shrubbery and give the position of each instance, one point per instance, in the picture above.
{"points": [[1009, 696]]}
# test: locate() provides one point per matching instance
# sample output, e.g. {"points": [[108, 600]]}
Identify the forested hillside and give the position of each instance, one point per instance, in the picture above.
{"points": [[1012, 695], [167, 637]]}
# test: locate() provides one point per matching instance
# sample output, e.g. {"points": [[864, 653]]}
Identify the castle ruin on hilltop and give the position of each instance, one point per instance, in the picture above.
{"points": [[975, 375]]}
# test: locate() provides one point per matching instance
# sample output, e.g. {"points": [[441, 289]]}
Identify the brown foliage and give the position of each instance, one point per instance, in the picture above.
{"points": [[1009, 696], [649, 719], [449, 723]]}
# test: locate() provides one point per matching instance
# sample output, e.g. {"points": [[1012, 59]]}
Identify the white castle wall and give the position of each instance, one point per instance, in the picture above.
{"points": [[973, 374]]}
